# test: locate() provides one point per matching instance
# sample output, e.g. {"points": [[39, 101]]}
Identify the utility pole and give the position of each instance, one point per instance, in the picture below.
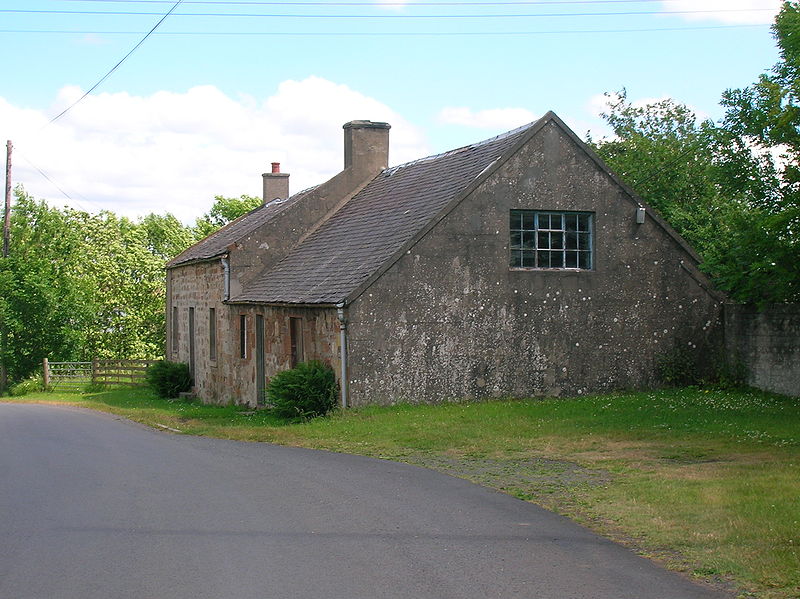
{"points": [[7, 213], [6, 235]]}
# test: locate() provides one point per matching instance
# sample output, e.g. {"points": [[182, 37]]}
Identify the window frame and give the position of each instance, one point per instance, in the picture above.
{"points": [[565, 239], [296, 345], [212, 334], [243, 336], [174, 331]]}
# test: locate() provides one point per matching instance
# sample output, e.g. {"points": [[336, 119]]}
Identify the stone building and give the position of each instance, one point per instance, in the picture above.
{"points": [[513, 267]]}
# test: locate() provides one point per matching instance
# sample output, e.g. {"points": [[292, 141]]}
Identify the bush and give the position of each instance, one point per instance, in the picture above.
{"points": [[678, 368], [29, 385], [306, 391], [169, 379]]}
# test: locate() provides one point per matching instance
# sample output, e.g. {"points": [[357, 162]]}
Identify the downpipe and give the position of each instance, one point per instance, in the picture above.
{"points": [[343, 356], [226, 278]]}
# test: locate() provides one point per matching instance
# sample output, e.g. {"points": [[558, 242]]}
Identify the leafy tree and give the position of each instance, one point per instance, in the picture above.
{"points": [[127, 279], [42, 307], [223, 211], [78, 286], [767, 114], [166, 236], [765, 117], [663, 152], [715, 187]]}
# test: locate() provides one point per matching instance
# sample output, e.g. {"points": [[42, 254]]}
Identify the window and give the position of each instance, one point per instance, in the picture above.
{"points": [[542, 239], [191, 341], [242, 336], [212, 334], [174, 329], [296, 339]]}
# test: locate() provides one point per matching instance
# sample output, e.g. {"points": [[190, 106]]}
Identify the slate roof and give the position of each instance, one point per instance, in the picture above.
{"points": [[217, 243], [375, 225]]}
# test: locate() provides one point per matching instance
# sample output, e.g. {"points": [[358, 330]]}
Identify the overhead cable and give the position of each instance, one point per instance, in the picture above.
{"points": [[116, 66]]}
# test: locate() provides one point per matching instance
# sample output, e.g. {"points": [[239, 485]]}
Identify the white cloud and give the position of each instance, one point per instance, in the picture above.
{"points": [[726, 11], [501, 119], [174, 151]]}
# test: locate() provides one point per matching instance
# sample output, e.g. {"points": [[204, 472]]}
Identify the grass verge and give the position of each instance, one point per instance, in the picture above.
{"points": [[706, 481]]}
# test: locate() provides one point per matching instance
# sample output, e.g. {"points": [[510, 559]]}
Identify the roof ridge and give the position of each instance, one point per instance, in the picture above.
{"points": [[391, 170]]}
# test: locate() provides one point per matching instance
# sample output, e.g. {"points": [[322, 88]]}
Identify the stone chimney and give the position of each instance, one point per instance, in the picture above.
{"points": [[276, 184], [366, 146]]}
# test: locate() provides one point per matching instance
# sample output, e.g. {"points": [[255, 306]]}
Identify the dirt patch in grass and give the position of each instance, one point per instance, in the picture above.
{"points": [[552, 483]]}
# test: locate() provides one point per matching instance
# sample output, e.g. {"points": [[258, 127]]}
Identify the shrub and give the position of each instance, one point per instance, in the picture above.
{"points": [[306, 391], [29, 385], [678, 368], [169, 379], [730, 373]]}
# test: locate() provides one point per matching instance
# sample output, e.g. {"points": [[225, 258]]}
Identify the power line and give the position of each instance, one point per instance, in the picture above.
{"points": [[115, 67], [387, 33], [372, 3], [388, 16], [46, 176]]}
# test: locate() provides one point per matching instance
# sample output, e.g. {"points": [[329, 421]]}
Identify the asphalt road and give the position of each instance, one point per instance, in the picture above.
{"points": [[92, 506]]}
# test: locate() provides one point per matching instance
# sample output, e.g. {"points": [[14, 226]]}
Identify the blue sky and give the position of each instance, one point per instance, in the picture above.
{"points": [[207, 101]]}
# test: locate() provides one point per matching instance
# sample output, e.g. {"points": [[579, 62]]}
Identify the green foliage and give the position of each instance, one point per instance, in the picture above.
{"points": [[731, 189], [662, 152], [730, 374], [715, 190], [222, 212], [78, 286], [29, 385], [678, 368], [169, 379], [42, 307], [690, 367], [303, 392]]}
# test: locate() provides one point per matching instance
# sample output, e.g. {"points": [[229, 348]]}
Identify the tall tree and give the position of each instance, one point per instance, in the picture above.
{"points": [[79, 285], [42, 306], [765, 117], [730, 188]]}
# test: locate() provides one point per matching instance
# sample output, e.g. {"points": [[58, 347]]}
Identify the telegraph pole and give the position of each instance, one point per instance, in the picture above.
{"points": [[7, 213], [6, 235]]}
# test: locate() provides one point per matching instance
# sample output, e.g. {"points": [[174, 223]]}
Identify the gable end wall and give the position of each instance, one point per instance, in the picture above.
{"points": [[451, 320]]}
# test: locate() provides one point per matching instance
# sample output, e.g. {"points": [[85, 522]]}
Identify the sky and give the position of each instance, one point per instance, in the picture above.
{"points": [[221, 89]]}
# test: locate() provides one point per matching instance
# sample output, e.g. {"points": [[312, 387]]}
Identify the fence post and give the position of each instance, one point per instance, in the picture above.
{"points": [[45, 374], [95, 369]]}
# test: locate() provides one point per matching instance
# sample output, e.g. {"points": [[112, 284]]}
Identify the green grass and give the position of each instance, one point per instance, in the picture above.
{"points": [[706, 481]]}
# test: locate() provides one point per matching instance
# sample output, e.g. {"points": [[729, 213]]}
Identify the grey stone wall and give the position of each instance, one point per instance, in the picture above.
{"points": [[231, 377], [768, 342], [451, 320]]}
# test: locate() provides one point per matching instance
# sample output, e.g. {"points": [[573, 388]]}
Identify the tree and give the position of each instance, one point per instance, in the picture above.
{"points": [[766, 118], [717, 188], [663, 152], [767, 114], [78, 286], [42, 307], [223, 211]]}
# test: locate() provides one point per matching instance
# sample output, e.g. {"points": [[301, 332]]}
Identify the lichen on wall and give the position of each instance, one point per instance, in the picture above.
{"points": [[451, 320]]}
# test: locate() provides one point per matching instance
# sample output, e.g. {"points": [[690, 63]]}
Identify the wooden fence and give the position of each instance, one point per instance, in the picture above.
{"points": [[76, 375]]}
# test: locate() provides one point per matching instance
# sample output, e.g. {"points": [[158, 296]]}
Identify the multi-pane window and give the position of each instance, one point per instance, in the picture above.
{"points": [[545, 239]]}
